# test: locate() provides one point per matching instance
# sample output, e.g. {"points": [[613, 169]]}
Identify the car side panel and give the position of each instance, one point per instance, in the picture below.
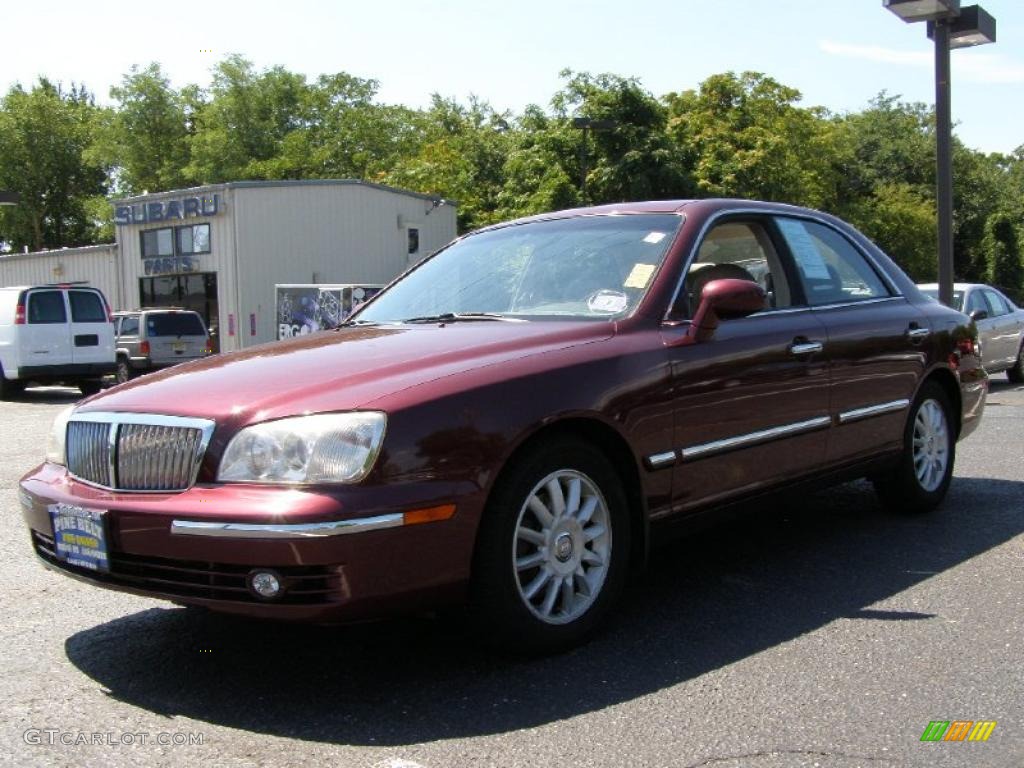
{"points": [[875, 364]]}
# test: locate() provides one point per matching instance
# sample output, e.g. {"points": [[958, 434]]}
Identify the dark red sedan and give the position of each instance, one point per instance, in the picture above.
{"points": [[512, 421]]}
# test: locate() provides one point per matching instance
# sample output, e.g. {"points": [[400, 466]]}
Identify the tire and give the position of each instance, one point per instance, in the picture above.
{"points": [[90, 387], [544, 585], [920, 481], [124, 371], [1016, 373]]}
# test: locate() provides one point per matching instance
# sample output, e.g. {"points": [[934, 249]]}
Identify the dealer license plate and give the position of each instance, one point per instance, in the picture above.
{"points": [[80, 536]]}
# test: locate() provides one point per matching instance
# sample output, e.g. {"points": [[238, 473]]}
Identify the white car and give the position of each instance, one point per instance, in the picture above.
{"points": [[55, 334], [1000, 325]]}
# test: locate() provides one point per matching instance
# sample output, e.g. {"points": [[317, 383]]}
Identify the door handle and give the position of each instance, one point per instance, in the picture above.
{"points": [[802, 346], [916, 334]]}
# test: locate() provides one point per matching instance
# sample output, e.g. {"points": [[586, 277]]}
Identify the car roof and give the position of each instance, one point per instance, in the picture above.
{"points": [[658, 206], [956, 286]]}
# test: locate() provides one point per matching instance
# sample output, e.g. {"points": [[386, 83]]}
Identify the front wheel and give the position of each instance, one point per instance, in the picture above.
{"points": [[552, 551], [921, 479], [1016, 373]]}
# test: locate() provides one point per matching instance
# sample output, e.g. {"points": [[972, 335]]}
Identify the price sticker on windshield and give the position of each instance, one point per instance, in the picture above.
{"points": [[639, 276]]}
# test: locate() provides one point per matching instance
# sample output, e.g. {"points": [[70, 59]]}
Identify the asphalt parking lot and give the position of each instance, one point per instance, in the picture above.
{"points": [[816, 632]]}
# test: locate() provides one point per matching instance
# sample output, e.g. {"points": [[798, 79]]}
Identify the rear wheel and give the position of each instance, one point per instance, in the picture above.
{"points": [[1016, 373], [921, 479], [90, 386], [124, 371], [553, 549]]}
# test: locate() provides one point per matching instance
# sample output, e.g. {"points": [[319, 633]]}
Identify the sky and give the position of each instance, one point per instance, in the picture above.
{"points": [[838, 53]]}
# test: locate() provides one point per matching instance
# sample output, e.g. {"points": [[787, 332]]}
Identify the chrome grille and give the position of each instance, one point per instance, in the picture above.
{"points": [[88, 447], [151, 452]]}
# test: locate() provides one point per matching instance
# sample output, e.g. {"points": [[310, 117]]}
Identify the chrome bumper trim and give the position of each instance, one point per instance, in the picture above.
{"points": [[872, 410], [285, 531], [763, 436]]}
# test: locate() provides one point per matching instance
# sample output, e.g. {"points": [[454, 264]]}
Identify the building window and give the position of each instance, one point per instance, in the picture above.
{"points": [[194, 239], [414, 240], [157, 242]]}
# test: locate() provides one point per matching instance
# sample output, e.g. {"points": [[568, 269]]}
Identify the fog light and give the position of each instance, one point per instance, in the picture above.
{"points": [[265, 584]]}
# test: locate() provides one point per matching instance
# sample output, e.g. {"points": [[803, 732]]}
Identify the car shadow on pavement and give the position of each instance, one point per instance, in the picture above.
{"points": [[707, 601]]}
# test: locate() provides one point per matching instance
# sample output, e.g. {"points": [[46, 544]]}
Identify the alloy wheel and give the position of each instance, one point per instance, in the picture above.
{"points": [[562, 548]]}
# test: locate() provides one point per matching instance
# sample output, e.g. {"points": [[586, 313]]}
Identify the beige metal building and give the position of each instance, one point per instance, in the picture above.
{"points": [[93, 264], [221, 249]]}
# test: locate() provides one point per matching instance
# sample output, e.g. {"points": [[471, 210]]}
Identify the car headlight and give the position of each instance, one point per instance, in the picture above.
{"points": [[325, 448], [58, 434]]}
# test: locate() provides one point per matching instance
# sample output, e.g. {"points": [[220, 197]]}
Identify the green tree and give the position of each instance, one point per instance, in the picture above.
{"points": [[745, 136], [46, 135], [240, 130], [146, 141], [461, 156], [1002, 246]]}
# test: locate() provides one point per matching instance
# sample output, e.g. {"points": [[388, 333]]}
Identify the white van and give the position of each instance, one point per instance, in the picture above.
{"points": [[55, 334]]}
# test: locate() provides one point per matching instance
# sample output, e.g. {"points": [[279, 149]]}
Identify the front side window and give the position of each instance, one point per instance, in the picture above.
{"points": [[742, 251], [46, 307], [580, 267], [831, 269], [976, 303], [157, 242]]}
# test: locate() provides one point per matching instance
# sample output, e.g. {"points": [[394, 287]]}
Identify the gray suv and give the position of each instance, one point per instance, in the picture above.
{"points": [[149, 339]]}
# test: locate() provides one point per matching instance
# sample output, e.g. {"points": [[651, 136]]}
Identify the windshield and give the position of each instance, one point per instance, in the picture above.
{"points": [[581, 267], [958, 297], [175, 324]]}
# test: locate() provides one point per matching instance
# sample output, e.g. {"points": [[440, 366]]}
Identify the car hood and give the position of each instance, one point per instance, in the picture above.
{"points": [[346, 369]]}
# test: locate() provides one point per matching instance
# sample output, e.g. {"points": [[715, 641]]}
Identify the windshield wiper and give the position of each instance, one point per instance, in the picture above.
{"points": [[457, 317]]}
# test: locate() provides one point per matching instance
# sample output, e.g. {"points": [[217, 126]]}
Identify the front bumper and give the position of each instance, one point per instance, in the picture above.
{"points": [[342, 556]]}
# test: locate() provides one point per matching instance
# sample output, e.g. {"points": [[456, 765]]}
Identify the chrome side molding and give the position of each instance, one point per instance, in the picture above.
{"points": [[873, 410], [752, 438]]}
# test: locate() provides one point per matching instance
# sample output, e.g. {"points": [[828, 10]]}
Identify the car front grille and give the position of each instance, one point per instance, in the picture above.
{"points": [[304, 584], [136, 452]]}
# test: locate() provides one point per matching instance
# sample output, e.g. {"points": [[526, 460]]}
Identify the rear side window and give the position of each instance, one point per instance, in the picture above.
{"points": [[176, 324], [996, 303], [129, 326], [87, 307], [976, 303], [46, 307], [831, 269]]}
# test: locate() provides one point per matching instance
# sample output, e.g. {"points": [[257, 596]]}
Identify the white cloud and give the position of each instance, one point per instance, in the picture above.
{"points": [[973, 66]]}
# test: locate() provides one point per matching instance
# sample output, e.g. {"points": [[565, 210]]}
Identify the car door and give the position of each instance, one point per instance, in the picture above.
{"points": [[976, 306], [876, 340], [751, 403], [92, 333], [47, 335], [1005, 328]]}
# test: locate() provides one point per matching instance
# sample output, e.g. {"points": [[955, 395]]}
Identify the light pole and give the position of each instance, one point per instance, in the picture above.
{"points": [[588, 124], [950, 27]]}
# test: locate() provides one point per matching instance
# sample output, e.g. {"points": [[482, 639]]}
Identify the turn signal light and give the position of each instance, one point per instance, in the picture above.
{"points": [[429, 515]]}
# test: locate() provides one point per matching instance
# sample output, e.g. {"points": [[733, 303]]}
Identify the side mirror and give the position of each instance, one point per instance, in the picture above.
{"points": [[725, 300], [979, 314]]}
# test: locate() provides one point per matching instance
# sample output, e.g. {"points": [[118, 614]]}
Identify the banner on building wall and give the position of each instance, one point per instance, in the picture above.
{"points": [[304, 309]]}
